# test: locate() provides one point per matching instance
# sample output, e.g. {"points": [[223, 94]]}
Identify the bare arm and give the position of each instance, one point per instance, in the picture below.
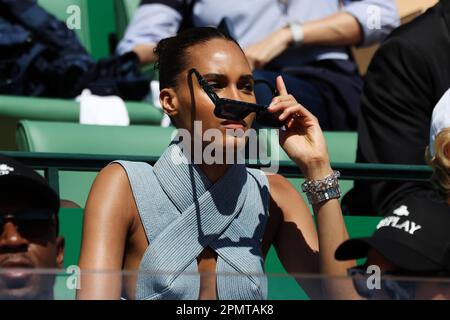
{"points": [[305, 144], [107, 218], [340, 29], [145, 53], [295, 225], [292, 232], [301, 247]]}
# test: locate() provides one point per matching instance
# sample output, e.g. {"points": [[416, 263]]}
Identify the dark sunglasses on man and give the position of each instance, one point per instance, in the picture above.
{"points": [[30, 222], [237, 110], [397, 285]]}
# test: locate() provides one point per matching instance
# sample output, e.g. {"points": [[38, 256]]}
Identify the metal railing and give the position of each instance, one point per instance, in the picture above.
{"points": [[53, 163]]}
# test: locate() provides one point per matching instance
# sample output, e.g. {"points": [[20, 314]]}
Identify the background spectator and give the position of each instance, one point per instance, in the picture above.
{"points": [[28, 233], [438, 153], [305, 40], [407, 77], [412, 241]]}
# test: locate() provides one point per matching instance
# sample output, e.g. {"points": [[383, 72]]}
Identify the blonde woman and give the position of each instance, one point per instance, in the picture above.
{"points": [[438, 153]]}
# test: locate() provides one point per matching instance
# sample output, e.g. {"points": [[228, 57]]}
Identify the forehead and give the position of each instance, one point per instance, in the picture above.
{"points": [[219, 56], [12, 201], [12, 208]]}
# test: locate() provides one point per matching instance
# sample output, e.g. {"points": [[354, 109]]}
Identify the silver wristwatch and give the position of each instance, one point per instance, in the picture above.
{"points": [[319, 191]]}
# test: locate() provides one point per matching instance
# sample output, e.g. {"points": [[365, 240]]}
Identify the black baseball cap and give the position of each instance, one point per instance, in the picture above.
{"points": [[17, 178], [415, 236]]}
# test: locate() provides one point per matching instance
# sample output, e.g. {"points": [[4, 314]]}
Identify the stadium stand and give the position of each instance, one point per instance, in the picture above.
{"points": [[97, 35], [49, 125]]}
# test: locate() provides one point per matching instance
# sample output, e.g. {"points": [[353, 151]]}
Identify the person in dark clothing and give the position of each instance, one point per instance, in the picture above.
{"points": [[407, 77], [411, 249], [29, 234]]}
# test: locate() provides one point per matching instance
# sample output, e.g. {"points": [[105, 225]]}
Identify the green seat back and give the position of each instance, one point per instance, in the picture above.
{"points": [[57, 137], [341, 145], [14, 108], [341, 149], [60, 10], [61, 137], [97, 22]]}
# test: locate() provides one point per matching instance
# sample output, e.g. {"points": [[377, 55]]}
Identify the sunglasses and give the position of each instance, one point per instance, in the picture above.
{"points": [[30, 222], [237, 110], [395, 289]]}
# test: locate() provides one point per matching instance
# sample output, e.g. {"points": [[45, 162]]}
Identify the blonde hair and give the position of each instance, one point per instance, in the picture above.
{"points": [[441, 162]]}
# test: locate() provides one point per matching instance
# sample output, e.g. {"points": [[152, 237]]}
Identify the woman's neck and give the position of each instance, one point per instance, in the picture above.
{"points": [[214, 171]]}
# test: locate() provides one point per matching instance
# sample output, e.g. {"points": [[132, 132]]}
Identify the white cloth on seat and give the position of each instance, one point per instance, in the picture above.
{"points": [[97, 110]]}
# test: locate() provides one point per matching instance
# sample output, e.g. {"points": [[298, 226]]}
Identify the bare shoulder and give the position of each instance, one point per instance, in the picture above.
{"points": [[107, 220], [113, 172], [111, 194]]}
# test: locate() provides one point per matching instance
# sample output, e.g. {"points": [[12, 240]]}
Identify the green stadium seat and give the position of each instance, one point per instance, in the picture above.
{"points": [[97, 24], [60, 137], [14, 108], [56, 137], [97, 21], [60, 10], [341, 146], [341, 149]]}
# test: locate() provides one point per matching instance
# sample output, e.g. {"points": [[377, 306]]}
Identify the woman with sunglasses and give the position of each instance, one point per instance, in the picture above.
{"points": [[203, 230]]}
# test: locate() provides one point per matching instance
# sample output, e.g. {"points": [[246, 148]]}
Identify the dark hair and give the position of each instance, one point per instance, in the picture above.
{"points": [[171, 52]]}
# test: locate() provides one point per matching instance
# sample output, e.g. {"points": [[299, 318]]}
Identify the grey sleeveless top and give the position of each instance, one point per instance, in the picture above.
{"points": [[182, 213]]}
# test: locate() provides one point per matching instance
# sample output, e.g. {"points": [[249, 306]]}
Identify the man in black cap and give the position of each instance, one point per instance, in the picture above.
{"points": [[412, 241], [28, 233]]}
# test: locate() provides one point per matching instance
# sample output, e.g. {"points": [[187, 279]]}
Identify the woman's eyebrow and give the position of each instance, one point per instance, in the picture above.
{"points": [[219, 76], [215, 76], [247, 77]]}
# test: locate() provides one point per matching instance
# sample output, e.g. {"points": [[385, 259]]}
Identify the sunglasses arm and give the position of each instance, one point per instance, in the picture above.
{"points": [[205, 86]]}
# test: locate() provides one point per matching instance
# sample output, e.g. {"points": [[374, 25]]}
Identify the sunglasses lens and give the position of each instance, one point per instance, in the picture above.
{"points": [[232, 111], [32, 223], [268, 119]]}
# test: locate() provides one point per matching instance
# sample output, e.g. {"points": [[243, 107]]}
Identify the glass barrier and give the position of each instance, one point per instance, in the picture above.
{"points": [[49, 284]]}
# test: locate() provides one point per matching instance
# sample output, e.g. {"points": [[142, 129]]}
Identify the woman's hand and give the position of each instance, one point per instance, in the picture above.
{"points": [[302, 137], [262, 52]]}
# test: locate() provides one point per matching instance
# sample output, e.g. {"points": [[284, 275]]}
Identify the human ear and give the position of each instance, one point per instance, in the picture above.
{"points": [[169, 102], [447, 151], [60, 245]]}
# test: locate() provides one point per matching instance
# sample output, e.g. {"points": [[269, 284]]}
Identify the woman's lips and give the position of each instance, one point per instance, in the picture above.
{"points": [[233, 124]]}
